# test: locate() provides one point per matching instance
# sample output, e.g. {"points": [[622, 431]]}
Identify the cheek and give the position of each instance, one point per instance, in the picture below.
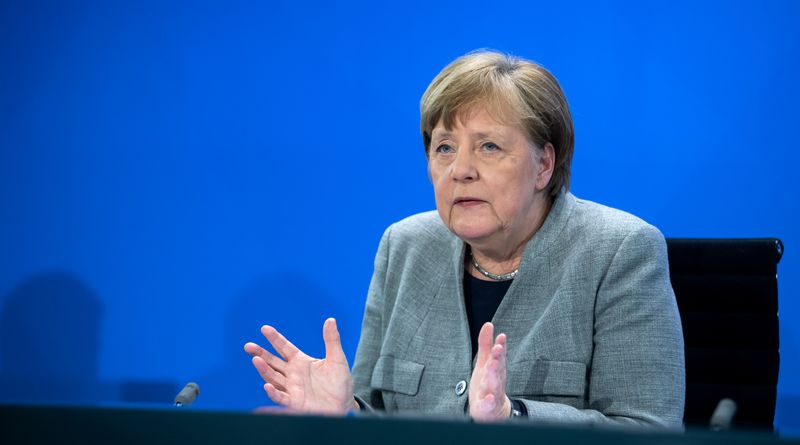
{"points": [[436, 180], [440, 192], [513, 196]]}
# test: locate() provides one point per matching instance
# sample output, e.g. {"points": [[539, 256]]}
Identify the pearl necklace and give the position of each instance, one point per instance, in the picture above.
{"points": [[496, 277]]}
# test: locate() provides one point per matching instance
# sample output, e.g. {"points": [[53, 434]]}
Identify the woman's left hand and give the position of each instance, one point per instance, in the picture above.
{"points": [[487, 387]]}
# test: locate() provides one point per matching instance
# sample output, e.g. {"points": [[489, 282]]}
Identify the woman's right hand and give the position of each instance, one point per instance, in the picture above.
{"points": [[301, 383]]}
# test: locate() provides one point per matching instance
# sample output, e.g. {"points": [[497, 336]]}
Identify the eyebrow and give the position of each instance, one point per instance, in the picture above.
{"points": [[440, 134], [485, 135], [479, 135]]}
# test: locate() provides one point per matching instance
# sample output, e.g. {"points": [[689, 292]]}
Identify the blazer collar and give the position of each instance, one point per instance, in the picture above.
{"points": [[548, 235]]}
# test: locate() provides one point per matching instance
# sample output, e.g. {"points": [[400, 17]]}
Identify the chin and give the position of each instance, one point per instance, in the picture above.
{"points": [[472, 232]]}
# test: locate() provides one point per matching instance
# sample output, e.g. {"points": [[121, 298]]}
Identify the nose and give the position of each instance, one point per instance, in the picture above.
{"points": [[463, 167]]}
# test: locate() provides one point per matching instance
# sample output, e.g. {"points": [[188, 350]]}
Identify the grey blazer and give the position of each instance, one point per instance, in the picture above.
{"points": [[594, 334]]}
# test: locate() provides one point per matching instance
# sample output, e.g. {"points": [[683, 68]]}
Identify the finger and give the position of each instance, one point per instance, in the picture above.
{"points": [[501, 340], [268, 374], [493, 379], [503, 355], [333, 342], [252, 348], [273, 361], [276, 395], [498, 351], [494, 360], [283, 346], [497, 362], [485, 337]]}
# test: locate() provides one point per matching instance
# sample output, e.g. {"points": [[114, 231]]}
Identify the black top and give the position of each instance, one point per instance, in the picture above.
{"points": [[481, 298]]}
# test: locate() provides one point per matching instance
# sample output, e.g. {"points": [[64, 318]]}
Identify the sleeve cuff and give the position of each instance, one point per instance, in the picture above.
{"points": [[518, 409]]}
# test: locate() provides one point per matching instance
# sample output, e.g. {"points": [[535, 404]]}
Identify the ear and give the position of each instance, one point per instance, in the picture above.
{"points": [[547, 162]]}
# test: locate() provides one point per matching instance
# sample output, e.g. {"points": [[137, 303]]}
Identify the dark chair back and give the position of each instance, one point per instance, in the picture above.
{"points": [[727, 293]]}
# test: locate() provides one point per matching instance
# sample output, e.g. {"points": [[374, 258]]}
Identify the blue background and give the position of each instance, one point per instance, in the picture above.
{"points": [[174, 175]]}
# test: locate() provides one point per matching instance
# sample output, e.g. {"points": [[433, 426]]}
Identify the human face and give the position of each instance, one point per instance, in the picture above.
{"points": [[488, 178]]}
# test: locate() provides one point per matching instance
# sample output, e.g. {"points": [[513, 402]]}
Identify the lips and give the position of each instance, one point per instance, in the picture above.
{"points": [[468, 201]]}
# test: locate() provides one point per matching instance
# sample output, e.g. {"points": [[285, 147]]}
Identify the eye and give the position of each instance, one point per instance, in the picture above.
{"points": [[444, 149], [490, 146]]}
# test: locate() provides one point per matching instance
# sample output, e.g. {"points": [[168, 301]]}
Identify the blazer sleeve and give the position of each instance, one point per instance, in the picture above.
{"points": [[369, 344], [637, 371]]}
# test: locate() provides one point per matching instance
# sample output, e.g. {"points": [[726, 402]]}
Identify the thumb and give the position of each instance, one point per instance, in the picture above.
{"points": [[333, 342]]}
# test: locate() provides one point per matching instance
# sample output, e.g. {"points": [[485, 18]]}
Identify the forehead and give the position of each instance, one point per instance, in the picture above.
{"points": [[478, 118]]}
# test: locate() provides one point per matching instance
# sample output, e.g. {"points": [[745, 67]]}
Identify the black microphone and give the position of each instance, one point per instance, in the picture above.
{"points": [[723, 415], [187, 394]]}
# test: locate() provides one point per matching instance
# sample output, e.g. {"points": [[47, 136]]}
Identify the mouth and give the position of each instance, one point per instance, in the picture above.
{"points": [[468, 201]]}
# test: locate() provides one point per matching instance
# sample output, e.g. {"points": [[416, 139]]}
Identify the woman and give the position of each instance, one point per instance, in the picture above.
{"points": [[581, 292]]}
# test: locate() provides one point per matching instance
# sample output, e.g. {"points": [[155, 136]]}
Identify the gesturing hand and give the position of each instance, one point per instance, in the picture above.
{"points": [[487, 387], [302, 383]]}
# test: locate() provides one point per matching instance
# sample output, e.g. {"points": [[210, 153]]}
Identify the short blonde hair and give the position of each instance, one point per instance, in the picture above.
{"points": [[515, 91]]}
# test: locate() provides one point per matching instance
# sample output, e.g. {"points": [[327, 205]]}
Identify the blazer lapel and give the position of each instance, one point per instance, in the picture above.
{"points": [[534, 273]]}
